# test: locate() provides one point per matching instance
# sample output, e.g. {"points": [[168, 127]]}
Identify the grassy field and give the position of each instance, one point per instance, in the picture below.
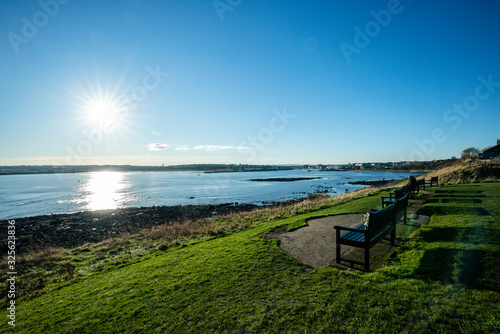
{"points": [[444, 279]]}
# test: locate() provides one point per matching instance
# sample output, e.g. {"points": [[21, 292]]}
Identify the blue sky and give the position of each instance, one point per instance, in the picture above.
{"points": [[238, 81]]}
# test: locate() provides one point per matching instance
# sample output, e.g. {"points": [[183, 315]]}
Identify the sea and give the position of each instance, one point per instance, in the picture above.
{"points": [[28, 195]]}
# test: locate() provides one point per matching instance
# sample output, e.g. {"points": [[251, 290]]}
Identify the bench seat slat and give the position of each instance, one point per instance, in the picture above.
{"points": [[353, 236], [356, 234]]}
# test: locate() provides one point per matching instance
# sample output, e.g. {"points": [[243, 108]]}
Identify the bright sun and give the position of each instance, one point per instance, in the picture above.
{"points": [[101, 107], [103, 113], [102, 110]]}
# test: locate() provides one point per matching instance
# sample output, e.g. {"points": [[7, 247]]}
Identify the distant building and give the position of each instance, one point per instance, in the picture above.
{"points": [[492, 152]]}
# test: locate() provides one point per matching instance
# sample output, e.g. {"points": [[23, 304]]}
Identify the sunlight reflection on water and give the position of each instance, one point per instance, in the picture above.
{"points": [[104, 190]]}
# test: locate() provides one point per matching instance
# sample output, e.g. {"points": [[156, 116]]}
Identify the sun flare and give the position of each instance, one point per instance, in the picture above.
{"points": [[102, 109]]}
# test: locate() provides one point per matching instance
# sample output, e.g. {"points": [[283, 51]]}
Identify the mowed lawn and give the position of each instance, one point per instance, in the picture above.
{"points": [[444, 279]]}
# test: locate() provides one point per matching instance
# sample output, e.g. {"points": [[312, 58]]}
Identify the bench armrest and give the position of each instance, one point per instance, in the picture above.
{"points": [[389, 199]]}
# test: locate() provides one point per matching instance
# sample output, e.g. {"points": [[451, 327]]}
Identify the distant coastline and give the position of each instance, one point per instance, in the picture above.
{"points": [[402, 167], [195, 168], [199, 171]]}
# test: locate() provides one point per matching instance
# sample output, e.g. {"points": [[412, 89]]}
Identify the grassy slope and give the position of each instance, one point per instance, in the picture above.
{"points": [[468, 172], [444, 279]]}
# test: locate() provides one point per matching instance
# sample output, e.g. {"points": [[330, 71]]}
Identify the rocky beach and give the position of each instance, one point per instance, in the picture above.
{"points": [[74, 229]]}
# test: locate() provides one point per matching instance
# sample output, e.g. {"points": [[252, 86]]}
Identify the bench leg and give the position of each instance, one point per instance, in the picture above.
{"points": [[337, 246], [367, 259]]}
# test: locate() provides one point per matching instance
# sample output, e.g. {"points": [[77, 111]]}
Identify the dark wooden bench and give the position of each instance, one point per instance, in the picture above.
{"points": [[394, 196], [416, 187], [433, 181], [380, 223], [400, 209]]}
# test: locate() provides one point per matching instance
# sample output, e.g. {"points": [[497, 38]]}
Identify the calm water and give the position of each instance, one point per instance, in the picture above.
{"points": [[30, 195]]}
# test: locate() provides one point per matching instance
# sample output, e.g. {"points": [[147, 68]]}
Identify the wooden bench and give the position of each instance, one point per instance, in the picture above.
{"points": [[394, 196], [416, 189], [400, 209], [433, 181], [380, 223]]}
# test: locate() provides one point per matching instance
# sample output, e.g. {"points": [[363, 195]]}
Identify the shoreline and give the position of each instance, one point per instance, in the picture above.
{"points": [[69, 230]]}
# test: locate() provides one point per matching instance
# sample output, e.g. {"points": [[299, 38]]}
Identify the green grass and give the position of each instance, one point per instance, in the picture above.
{"points": [[45, 268], [444, 279]]}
